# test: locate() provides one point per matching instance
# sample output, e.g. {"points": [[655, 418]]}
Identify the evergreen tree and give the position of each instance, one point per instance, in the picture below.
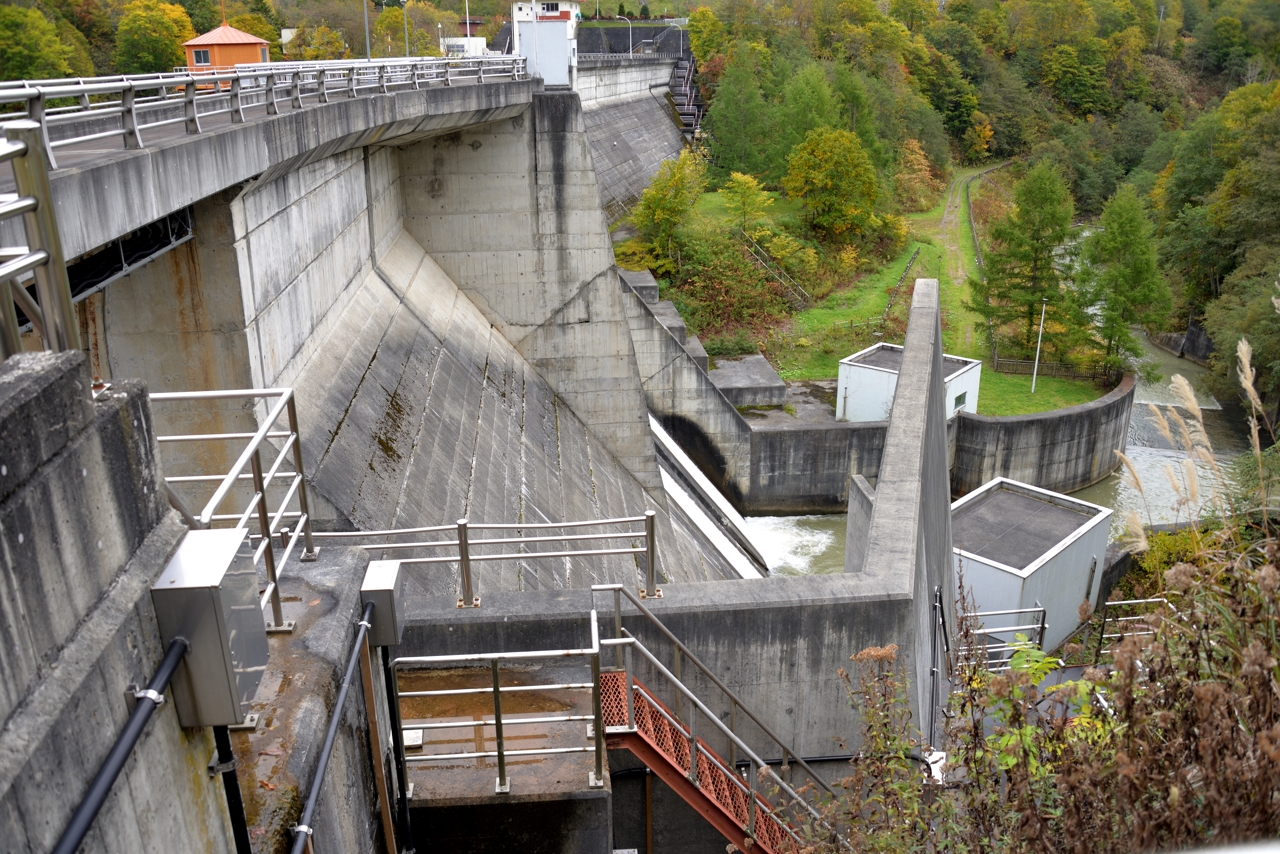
{"points": [[807, 103], [203, 14], [741, 132], [1127, 287], [1020, 266]]}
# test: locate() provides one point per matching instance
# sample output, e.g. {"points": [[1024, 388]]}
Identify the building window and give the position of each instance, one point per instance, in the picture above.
{"points": [[201, 57], [266, 57], [960, 400], [547, 8]]}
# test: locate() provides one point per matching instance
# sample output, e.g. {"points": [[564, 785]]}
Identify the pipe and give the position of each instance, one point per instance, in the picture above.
{"points": [[149, 698], [303, 829], [231, 783]]}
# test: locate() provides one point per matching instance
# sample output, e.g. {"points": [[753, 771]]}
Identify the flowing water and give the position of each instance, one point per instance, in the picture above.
{"points": [[802, 545], [1160, 464]]}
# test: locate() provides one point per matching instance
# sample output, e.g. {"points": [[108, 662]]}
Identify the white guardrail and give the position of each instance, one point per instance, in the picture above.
{"points": [[79, 110]]}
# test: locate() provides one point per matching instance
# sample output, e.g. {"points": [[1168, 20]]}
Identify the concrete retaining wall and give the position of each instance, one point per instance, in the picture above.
{"points": [[1062, 450], [604, 82], [85, 533], [806, 468]]}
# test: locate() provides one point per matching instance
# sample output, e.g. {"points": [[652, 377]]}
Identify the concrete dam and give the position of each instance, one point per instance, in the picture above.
{"points": [[393, 291]]}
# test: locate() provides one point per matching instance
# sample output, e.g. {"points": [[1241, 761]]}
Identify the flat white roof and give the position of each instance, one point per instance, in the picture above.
{"points": [[888, 358]]}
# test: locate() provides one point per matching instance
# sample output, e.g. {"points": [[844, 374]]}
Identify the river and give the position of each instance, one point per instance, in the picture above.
{"points": [[803, 545]]}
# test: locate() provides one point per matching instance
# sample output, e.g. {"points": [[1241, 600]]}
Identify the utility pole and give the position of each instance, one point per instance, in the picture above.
{"points": [[368, 48], [1039, 337]]}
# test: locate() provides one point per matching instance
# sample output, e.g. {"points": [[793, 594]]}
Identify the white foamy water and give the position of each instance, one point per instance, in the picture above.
{"points": [[799, 545]]}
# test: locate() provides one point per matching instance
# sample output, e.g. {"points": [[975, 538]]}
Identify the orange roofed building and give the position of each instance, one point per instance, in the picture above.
{"points": [[224, 47]]}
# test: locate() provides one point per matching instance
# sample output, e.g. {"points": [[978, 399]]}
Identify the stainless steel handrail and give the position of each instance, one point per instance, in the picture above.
{"points": [[592, 653], [735, 702], [294, 484], [969, 654], [125, 98], [53, 316]]}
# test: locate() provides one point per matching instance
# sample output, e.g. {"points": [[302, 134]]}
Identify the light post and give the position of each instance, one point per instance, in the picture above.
{"points": [[1039, 337], [368, 47], [630, 46], [405, 9], [440, 35], [681, 29]]}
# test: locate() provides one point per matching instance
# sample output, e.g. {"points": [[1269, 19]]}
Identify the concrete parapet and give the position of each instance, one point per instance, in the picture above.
{"points": [[1062, 450], [909, 534], [748, 381], [85, 534], [604, 82]]}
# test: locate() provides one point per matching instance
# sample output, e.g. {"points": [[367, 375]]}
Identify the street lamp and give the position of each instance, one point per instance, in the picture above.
{"points": [[368, 47], [630, 46], [681, 29], [1044, 302], [405, 10], [440, 35]]}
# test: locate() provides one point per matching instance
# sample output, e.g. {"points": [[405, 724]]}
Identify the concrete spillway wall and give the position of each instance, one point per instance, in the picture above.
{"points": [[629, 124], [1062, 450], [448, 313]]}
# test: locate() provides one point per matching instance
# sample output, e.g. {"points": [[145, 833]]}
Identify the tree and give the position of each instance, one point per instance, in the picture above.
{"points": [[29, 46], [807, 103], [831, 173], [1020, 268], [1128, 288], [667, 202], [744, 199], [314, 43], [79, 54], [738, 119], [706, 35], [622, 10], [256, 25], [977, 139], [644, 12], [149, 39], [204, 15], [918, 189]]}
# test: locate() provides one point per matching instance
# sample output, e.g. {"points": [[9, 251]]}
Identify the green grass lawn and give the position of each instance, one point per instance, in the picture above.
{"points": [[1010, 394], [712, 205]]}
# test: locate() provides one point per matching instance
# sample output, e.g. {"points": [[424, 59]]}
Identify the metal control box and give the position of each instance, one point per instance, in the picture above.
{"points": [[384, 587], [208, 595]]}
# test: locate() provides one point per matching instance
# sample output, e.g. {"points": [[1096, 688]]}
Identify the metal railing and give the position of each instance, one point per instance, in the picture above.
{"points": [[884, 315], [1135, 625], [681, 654], [683, 726], [998, 655], [468, 597], [1054, 369], [259, 478], [796, 295], [500, 753], [80, 110], [50, 313]]}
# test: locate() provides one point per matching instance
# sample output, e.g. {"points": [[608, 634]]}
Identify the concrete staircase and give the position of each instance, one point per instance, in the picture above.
{"points": [[645, 286]]}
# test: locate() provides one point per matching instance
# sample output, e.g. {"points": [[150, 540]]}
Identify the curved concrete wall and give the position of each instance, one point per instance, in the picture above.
{"points": [[1063, 450]]}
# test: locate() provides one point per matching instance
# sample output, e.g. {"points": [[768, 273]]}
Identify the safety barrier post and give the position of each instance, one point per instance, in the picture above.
{"points": [[277, 623], [468, 598], [650, 557], [309, 551], [129, 117], [596, 780], [693, 745], [189, 105], [504, 785]]}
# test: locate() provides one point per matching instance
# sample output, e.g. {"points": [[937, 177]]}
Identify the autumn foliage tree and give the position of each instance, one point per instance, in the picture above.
{"points": [[149, 39], [744, 199], [29, 46], [667, 202], [831, 173], [918, 188]]}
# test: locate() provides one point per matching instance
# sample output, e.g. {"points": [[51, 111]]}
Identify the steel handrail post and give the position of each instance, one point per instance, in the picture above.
{"points": [[309, 551], [391, 677], [31, 178], [650, 556], [295, 81], [129, 104], [468, 598], [631, 690], [1102, 634], [733, 749], [1043, 615], [268, 552], [189, 106], [504, 785], [679, 679], [36, 113], [693, 747], [751, 800], [617, 621], [10, 334], [598, 779]]}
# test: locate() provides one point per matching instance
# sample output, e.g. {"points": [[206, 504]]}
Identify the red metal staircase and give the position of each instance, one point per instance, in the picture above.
{"points": [[665, 746]]}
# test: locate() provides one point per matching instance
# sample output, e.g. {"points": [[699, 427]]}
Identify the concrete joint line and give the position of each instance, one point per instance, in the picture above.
{"points": [[519, 345], [31, 722]]}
